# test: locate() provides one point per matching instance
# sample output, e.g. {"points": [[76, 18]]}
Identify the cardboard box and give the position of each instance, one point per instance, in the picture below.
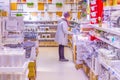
{"points": [[93, 76], [86, 69], [59, 13], [13, 6], [40, 6], [78, 66]]}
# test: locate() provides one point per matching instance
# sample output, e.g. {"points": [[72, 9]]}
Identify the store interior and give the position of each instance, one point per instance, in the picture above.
{"points": [[28, 50]]}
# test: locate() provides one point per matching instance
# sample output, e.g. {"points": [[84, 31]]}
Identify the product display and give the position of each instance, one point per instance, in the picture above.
{"points": [[15, 54], [28, 25]]}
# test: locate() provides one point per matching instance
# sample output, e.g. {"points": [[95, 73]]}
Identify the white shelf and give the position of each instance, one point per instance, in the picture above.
{"points": [[17, 70], [31, 25], [47, 25], [40, 25], [111, 69], [117, 7], [13, 40], [42, 31], [32, 11], [109, 30], [31, 31], [39, 21], [104, 64], [46, 38], [71, 2], [21, 2], [108, 42], [20, 11], [116, 73], [47, 31]]}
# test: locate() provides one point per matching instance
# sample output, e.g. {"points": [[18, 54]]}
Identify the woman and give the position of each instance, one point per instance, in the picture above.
{"points": [[61, 36]]}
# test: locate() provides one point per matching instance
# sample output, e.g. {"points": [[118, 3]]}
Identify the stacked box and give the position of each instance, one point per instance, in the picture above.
{"points": [[32, 70]]}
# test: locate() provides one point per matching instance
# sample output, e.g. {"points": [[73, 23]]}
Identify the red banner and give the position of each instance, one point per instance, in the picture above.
{"points": [[96, 11]]}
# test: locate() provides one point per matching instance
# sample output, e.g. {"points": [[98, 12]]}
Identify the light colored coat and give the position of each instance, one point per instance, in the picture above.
{"points": [[62, 32]]}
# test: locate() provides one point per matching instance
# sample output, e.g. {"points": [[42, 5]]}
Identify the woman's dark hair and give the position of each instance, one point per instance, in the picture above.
{"points": [[66, 14]]}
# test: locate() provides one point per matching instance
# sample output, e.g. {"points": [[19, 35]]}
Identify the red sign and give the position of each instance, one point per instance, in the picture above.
{"points": [[96, 9]]}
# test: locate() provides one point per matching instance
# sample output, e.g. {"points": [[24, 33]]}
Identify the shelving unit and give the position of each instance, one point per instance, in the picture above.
{"points": [[46, 31], [13, 61], [57, 13], [117, 7], [108, 42], [4, 12], [13, 34], [109, 30], [92, 65], [106, 63], [46, 39], [70, 6], [112, 69]]}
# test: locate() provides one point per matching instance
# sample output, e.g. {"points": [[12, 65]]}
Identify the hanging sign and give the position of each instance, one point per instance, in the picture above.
{"points": [[96, 11]]}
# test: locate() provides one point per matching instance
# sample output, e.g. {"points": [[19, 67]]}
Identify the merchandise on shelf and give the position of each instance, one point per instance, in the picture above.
{"points": [[41, 6], [13, 6], [30, 4], [44, 31], [107, 53], [59, 5], [12, 28], [45, 7], [3, 13]]}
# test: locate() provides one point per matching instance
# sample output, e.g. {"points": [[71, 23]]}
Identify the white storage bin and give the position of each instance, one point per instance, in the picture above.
{"points": [[12, 57]]}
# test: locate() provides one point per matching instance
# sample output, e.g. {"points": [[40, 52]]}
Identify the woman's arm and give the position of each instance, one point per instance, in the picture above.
{"points": [[65, 28]]}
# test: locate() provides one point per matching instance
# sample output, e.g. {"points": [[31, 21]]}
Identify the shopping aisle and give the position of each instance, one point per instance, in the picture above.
{"points": [[49, 68]]}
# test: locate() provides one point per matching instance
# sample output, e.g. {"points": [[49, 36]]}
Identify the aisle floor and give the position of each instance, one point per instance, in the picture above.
{"points": [[49, 68]]}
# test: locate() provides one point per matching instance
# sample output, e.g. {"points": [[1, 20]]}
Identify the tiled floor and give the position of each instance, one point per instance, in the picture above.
{"points": [[49, 68]]}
